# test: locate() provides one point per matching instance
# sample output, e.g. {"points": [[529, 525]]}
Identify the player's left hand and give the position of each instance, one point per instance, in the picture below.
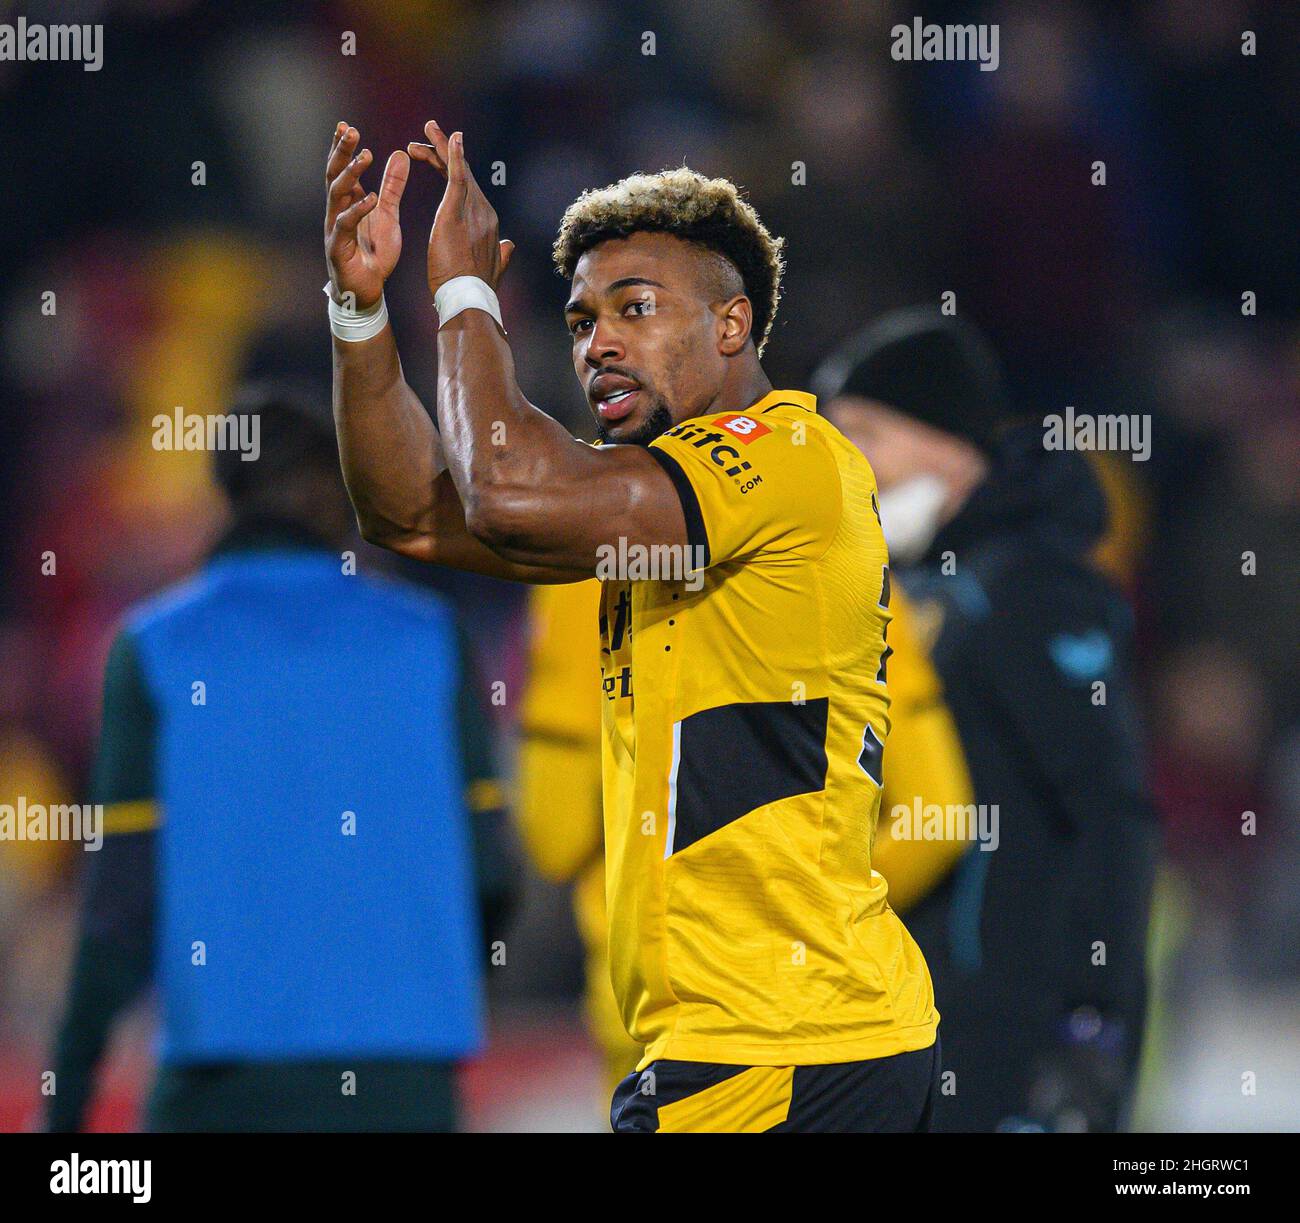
{"points": [[464, 239]]}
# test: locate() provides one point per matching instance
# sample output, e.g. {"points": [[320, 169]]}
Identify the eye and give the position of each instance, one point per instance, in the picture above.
{"points": [[643, 306], [576, 328]]}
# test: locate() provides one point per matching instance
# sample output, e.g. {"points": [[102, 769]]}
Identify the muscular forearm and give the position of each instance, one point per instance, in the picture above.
{"points": [[395, 472], [518, 471], [388, 446], [492, 434]]}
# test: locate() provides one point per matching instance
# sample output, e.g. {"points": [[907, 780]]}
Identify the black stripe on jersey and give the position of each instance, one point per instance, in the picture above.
{"points": [[873, 752], [696, 533], [736, 758]]}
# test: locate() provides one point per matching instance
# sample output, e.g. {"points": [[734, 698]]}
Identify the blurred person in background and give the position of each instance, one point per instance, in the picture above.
{"points": [[924, 765], [301, 825], [559, 800], [1038, 944]]}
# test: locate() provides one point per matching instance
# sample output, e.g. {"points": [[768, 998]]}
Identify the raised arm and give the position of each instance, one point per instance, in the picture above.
{"points": [[388, 446], [532, 493]]}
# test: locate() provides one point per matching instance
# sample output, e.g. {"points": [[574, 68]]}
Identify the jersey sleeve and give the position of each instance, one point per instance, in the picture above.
{"points": [[749, 487], [122, 777]]}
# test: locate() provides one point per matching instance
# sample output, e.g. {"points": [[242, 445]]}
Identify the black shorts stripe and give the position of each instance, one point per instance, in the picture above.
{"points": [[696, 533], [735, 758], [887, 1095], [638, 1098]]}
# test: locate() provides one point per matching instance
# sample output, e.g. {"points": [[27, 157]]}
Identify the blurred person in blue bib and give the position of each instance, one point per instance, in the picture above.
{"points": [[302, 825]]}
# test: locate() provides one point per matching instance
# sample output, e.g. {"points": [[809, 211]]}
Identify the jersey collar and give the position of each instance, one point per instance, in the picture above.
{"points": [[799, 399]]}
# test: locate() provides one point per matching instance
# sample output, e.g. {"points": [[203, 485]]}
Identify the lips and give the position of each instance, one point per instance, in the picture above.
{"points": [[618, 407], [615, 395]]}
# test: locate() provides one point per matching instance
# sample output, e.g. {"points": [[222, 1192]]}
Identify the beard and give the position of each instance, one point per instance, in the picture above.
{"points": [[657, 422]]}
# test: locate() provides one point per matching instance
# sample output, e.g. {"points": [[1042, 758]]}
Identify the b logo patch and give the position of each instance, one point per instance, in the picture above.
{"points": [[744, 428]]}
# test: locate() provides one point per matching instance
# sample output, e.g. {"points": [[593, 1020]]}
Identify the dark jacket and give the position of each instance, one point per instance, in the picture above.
{"points": [[1037, 948]]}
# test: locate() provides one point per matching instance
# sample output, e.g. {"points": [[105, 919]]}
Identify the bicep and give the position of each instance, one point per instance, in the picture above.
{"points": [[447, 540], [601, 499]]}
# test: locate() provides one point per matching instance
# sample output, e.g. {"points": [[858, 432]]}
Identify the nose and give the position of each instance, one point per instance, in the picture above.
{"points": [[603, 345]]}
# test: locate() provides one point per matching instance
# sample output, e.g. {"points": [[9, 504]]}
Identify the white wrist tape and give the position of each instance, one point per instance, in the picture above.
{"points": [[466, 293], [355, 325]]}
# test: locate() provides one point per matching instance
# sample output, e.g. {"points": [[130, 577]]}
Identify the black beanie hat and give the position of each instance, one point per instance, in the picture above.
{"points": [[925, 365]]}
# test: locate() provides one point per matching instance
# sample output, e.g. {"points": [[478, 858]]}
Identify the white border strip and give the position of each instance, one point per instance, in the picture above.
{"points": [[672, 790]]}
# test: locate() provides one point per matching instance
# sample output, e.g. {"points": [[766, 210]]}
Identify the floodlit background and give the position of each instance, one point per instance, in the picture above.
{"points": [[920, 178]]}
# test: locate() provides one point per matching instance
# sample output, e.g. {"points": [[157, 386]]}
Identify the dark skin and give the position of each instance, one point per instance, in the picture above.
{"points": [[505, 490]]}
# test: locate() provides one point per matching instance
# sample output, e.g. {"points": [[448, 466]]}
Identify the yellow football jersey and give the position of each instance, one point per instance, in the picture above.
{"points": [[745, 717]]}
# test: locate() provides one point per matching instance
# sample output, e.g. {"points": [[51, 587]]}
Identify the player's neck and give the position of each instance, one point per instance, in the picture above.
{"points": [[747, 391]]}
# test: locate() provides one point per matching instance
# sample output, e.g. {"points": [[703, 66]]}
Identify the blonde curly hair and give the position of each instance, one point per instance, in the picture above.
{"points": [[709, 212]]}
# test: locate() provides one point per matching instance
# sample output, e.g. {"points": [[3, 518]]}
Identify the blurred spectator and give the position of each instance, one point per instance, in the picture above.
{"points": [[288, 754]]}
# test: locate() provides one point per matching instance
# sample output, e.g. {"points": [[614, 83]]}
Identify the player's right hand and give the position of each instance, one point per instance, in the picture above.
{"points": [[362, 235]]}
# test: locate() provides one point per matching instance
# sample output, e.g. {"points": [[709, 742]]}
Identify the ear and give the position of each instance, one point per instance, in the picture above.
{"points": [[736, 317]]}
